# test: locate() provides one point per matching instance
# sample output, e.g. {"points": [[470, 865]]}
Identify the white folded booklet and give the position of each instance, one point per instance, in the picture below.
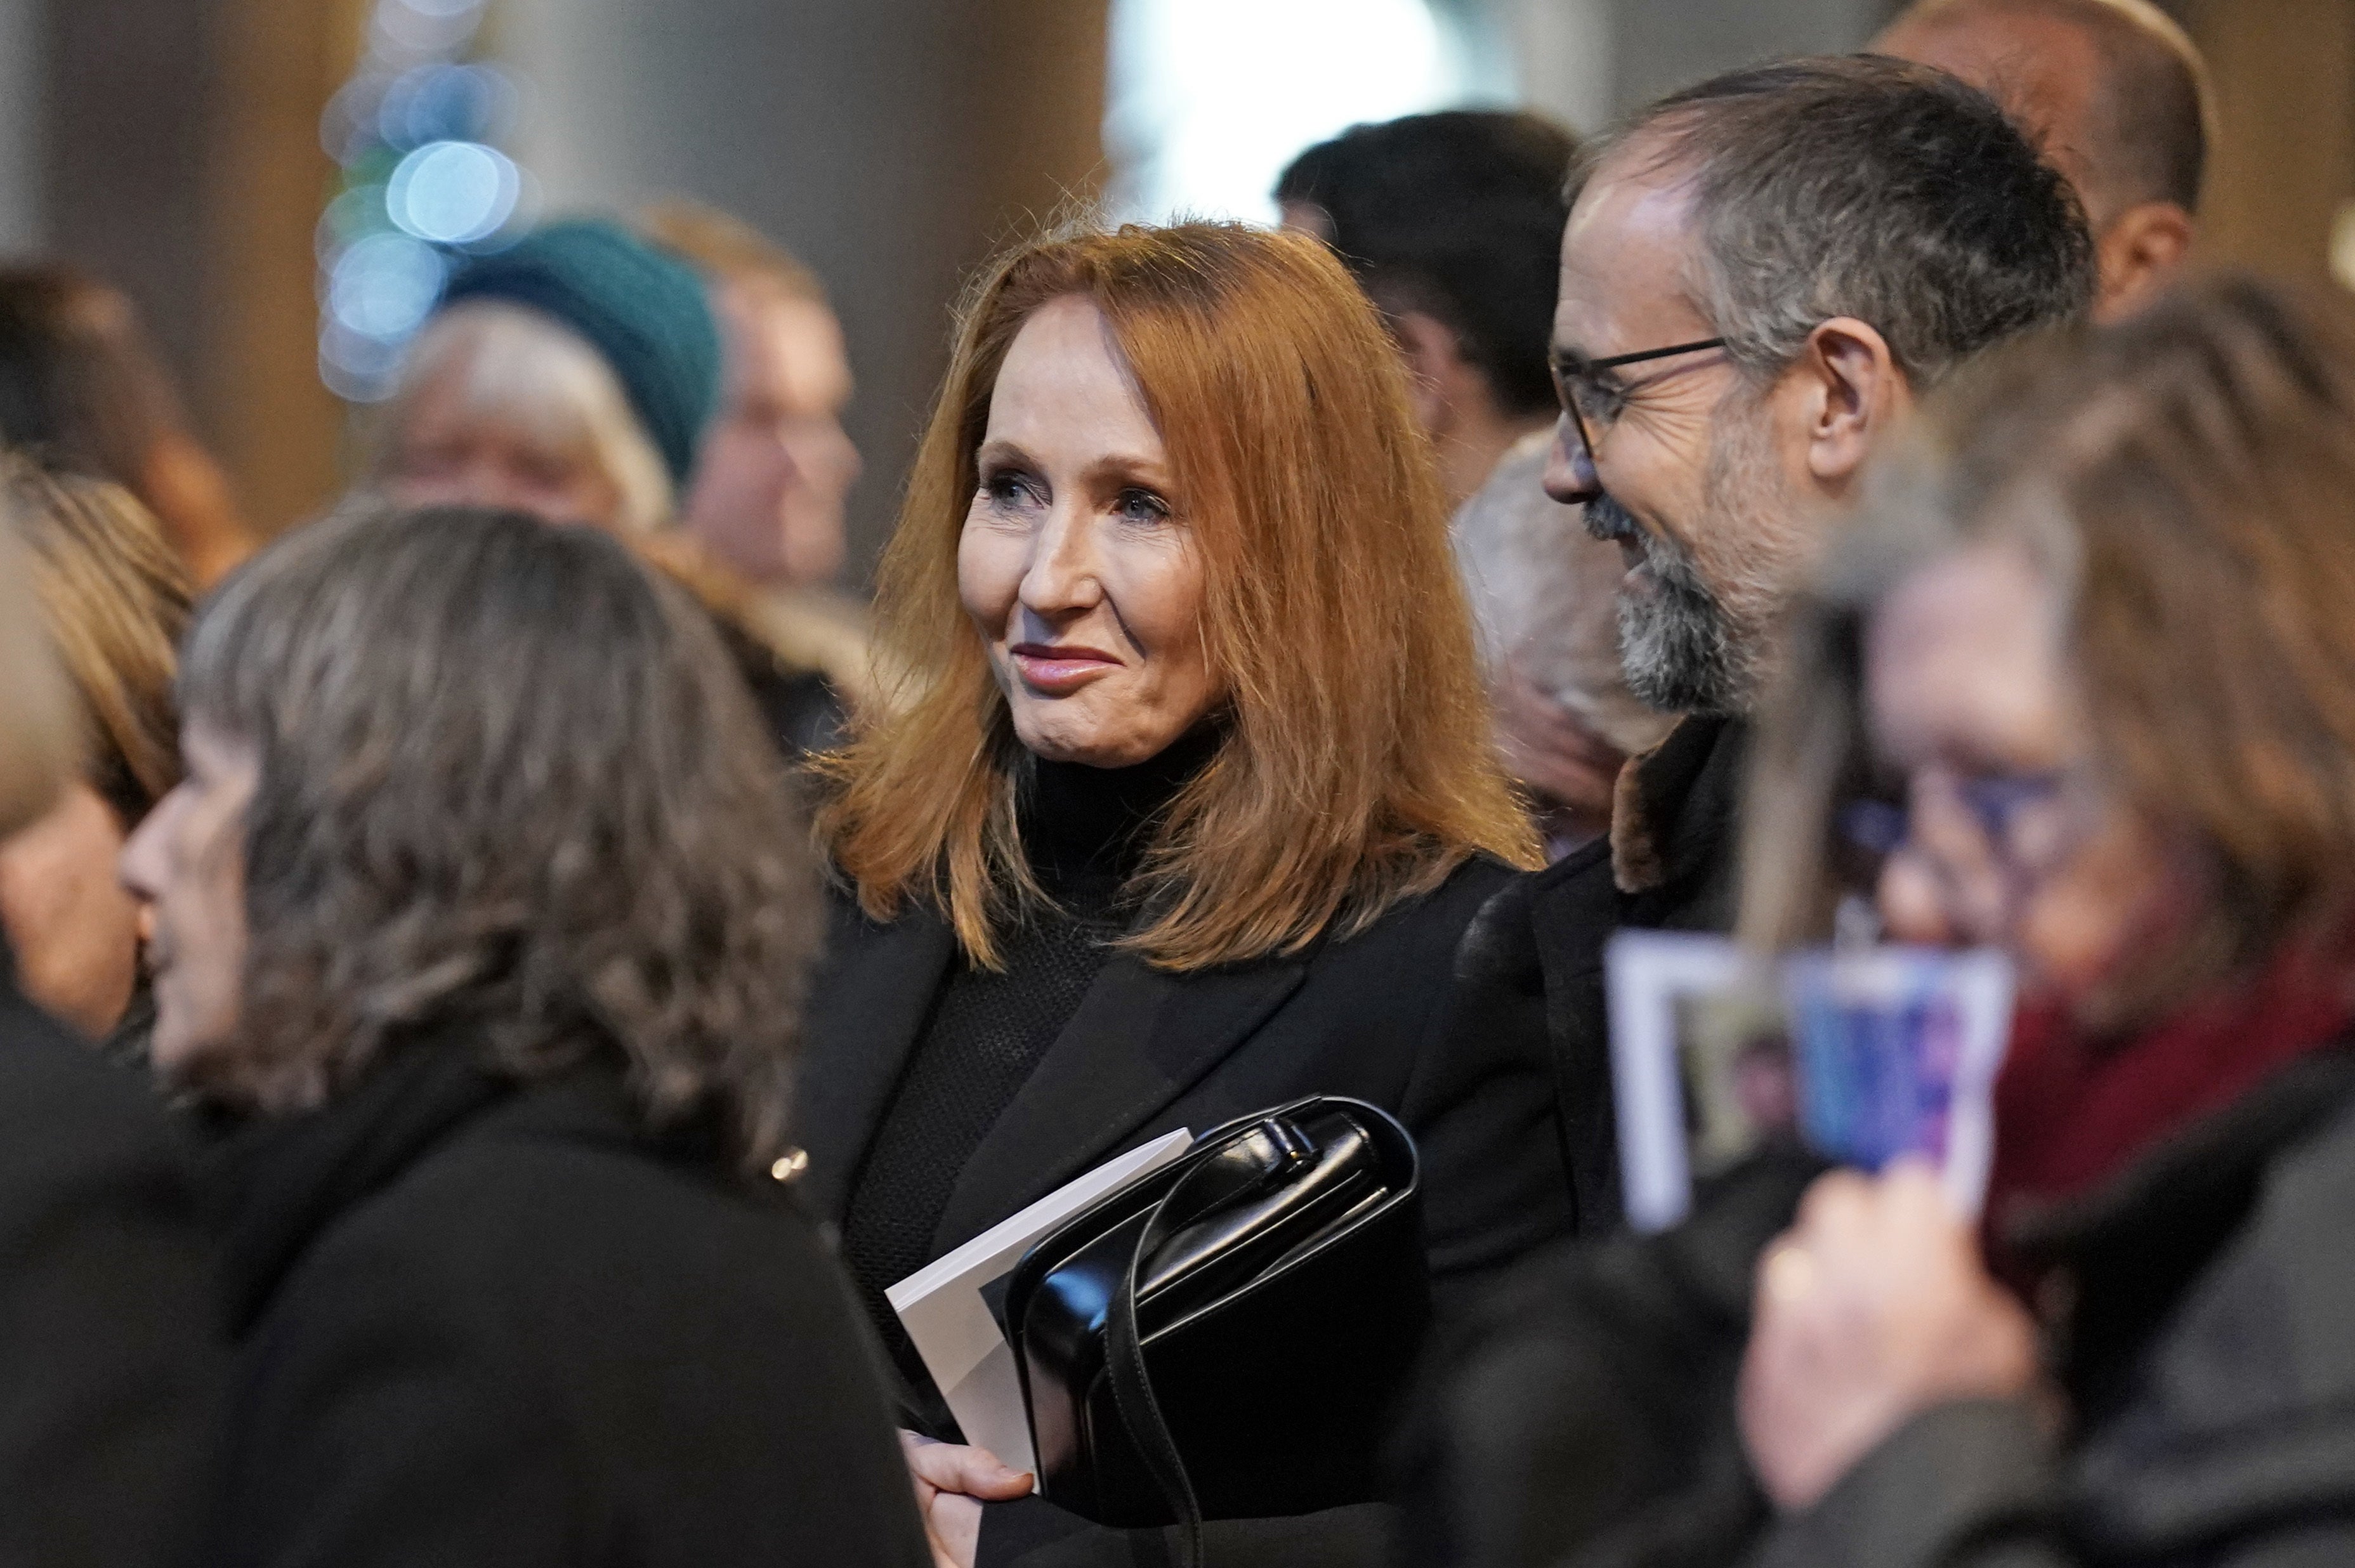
{"points": [[942, 1306]]}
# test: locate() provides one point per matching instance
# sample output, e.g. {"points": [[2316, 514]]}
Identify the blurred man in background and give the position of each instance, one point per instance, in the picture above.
{"points": [[1451, 223], [776, 466], [2118, 96]]}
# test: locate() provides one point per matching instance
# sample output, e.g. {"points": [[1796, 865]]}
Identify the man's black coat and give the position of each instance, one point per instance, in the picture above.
{"points": [[1669, 865]]}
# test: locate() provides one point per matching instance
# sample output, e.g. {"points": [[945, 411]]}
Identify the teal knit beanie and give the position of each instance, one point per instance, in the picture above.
{"points": [[641, 308]]}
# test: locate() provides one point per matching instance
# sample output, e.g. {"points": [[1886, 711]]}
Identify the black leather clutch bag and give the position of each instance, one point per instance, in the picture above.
{"points": [[1223, 1337]]}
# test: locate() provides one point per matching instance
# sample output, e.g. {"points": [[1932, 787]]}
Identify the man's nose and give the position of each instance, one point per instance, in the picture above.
{"points": [[1569, 466]]}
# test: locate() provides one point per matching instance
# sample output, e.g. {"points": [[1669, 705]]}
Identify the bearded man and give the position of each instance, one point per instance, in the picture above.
{"points": [[1758, 277]]}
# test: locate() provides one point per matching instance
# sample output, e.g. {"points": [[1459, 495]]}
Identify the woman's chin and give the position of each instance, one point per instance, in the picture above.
{"points": [[1086, 746]]}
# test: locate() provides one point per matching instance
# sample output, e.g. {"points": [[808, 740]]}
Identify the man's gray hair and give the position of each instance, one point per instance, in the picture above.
{"points": [[1863, 187]]}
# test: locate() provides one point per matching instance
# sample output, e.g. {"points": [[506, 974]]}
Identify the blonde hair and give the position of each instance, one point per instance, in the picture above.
{"points": [[115, 601], [511, 363], [37, 724], [2181, 479], [1354, 772]]}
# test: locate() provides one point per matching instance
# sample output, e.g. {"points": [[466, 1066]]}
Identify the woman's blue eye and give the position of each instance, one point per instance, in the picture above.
{"points": [[1007, 488], [1142, 507]]}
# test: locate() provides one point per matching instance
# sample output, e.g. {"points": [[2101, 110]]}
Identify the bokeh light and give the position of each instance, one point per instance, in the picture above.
{"points": [[422, 186], [383, 286], [453, 193]]}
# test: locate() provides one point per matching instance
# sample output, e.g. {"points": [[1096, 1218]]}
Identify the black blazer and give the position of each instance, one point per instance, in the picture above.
{"points": [[479, 1323], [1373, 1017], [1149, 1052], [110, 1382]]}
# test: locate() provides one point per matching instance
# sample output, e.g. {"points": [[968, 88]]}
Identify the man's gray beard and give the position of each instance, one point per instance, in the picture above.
{"points": [[1681, 650]]}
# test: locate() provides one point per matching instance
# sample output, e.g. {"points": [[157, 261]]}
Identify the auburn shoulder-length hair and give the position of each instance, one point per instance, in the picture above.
{"points": [[1356, 768]]}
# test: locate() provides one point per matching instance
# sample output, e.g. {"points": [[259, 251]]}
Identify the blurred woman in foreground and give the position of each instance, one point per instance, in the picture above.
{"points": [[2099, 627], [113, 600], [483, 901], [108, 1392]]}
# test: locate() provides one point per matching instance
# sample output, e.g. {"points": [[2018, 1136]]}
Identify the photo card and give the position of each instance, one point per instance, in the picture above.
{"points": [[1862, 1054]]}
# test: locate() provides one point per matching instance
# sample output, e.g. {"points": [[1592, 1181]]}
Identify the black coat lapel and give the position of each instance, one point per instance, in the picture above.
{"points": [[1141, 1038], [874, 991], [1574, 906]]}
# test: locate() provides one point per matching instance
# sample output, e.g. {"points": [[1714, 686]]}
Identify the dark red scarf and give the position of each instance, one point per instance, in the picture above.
{"points": [[2070, 1112]]}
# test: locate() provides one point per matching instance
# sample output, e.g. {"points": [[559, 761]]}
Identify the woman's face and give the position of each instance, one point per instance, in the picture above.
{"points": [[73, 926], [449, 454], [1080, 573], [187, 860], [2013, 838]]}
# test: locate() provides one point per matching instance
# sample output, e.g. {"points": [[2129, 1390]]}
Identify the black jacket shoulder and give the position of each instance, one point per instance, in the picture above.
{"points": [[538, 1342], [108, 1392]]}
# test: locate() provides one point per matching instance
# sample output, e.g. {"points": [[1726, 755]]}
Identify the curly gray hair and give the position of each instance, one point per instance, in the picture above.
{"points": [[508, 777]]}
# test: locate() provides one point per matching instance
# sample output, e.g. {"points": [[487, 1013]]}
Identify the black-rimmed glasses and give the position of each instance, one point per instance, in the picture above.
{"points": [[1587, 395]]}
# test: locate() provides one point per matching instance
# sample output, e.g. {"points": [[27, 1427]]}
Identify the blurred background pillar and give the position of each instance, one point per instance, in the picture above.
{"points": [[180, 161], [891, 143], [2284, 170]]}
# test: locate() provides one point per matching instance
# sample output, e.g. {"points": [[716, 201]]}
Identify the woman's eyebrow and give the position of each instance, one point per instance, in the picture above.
{"points": [[997, 449]]}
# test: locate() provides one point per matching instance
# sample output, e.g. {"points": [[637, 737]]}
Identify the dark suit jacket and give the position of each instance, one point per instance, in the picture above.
{"points": [[1669, 865], [1374, 1017], [110, 1383], [479, 1323]]}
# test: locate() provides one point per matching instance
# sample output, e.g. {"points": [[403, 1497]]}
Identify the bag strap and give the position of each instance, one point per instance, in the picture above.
{"points": [[1132, 1390], [1132, 1383]]}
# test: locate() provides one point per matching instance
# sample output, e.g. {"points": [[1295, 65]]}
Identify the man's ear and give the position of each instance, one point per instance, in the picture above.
{"points": [[1436, 366], [2138, 252], [1853, 391]]}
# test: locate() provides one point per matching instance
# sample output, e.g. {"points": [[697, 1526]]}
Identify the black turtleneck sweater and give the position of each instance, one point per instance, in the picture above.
{"points": [[1083, 829]]}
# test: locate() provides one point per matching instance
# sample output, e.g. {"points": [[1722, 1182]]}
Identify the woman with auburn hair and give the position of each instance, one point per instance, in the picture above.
{"points": [[1183, 805], [114, 600]]}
